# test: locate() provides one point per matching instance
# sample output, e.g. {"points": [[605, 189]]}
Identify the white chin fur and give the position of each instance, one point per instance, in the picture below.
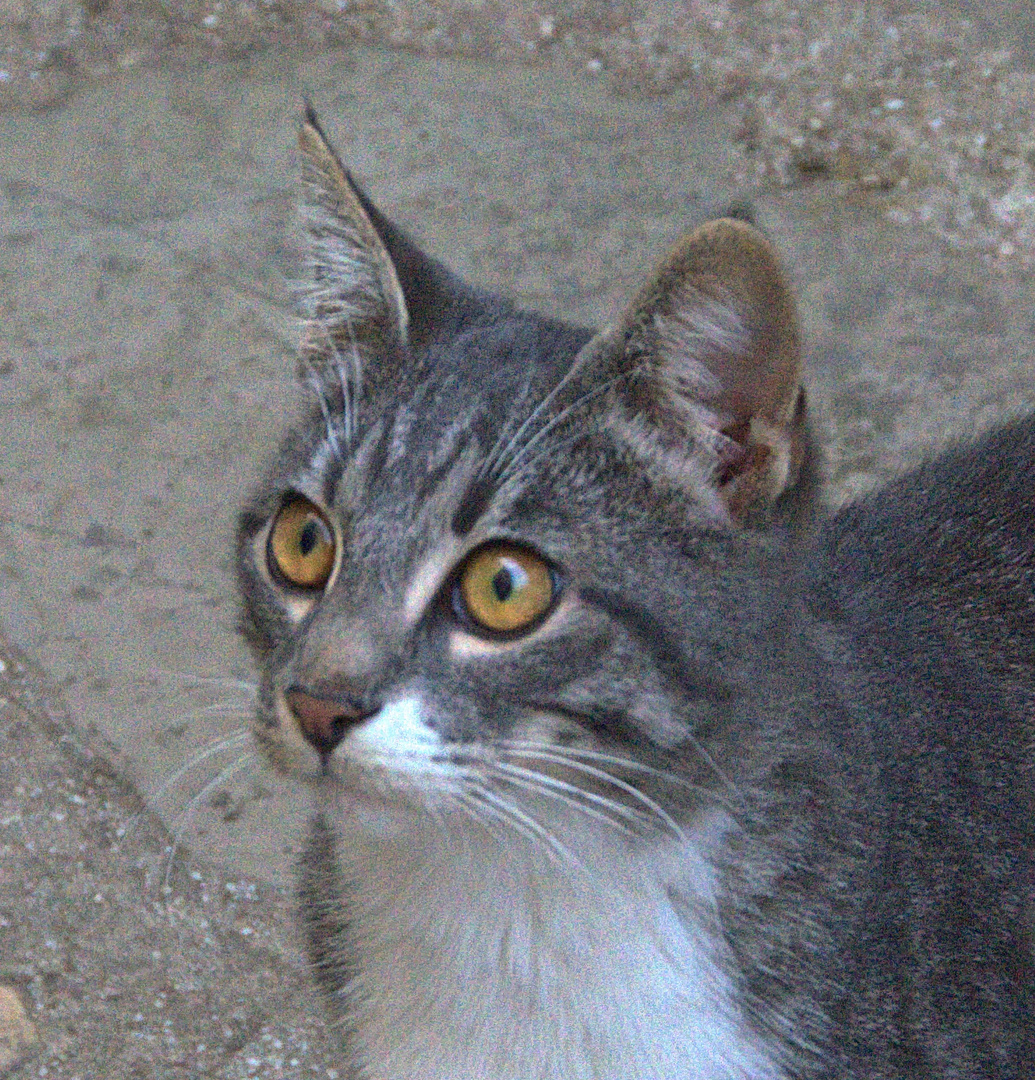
{"points": [[395, 737]]}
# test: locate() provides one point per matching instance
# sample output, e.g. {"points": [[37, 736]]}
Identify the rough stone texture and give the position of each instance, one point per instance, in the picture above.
{"points": [[132, 966], [19, 1037], [930, 104]]}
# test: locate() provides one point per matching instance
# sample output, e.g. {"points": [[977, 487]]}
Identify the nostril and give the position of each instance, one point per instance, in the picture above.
{"points": [[324, 722]]}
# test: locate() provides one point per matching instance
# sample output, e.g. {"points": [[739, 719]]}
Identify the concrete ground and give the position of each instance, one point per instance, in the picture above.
{"points": [[146, 253]]}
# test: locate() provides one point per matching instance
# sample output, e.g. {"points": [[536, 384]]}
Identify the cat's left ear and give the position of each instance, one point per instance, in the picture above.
{"points": [[707, 362]]}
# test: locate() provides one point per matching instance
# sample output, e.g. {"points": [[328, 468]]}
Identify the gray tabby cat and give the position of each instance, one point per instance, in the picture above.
{"points": [[623, 770]]}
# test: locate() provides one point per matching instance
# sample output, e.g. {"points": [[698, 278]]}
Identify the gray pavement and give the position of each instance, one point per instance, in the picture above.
{"points": [[146, 254]]}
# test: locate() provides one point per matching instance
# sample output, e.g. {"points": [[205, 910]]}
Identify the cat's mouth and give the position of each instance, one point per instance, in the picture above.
{"points": [[555, 763], [390, 754]]}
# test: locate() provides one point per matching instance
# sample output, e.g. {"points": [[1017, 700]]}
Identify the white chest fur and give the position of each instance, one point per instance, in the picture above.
{"points": [[480, 962]]}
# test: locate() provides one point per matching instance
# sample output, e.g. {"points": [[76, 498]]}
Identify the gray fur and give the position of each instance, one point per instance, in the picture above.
{"points": [[787, 761]]}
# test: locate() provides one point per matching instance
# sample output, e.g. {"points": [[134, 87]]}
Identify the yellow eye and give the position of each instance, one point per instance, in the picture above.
{"points": [[301, 547], [504, 588]]}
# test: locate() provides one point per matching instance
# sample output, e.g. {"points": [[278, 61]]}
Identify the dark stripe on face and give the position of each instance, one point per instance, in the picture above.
{"points": [[434, 477], [610, 726], [334, 469], [669, 657], [250, 522], [379, 455], [476, 500]]}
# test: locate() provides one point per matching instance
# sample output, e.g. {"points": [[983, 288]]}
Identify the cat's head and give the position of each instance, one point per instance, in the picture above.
{"points": [[477, 577]]}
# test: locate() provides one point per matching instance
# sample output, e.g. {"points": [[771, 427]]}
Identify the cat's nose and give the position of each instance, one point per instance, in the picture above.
{"points": [[324, 722]]}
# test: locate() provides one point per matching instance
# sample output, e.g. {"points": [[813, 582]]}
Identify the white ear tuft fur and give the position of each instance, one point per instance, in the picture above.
{"points": [[711, 347], [352, 292]]}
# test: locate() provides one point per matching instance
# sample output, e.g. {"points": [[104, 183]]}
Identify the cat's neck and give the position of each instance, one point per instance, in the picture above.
{"points": [[485, 955]]}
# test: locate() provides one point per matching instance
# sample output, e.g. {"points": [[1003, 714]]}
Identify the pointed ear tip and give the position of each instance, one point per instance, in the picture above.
{"points": [[309, 135], [309, 120], [311, 138]]}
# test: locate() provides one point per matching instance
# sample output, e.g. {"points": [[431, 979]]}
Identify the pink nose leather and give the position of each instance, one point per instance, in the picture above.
{"points": [[323, 722]]}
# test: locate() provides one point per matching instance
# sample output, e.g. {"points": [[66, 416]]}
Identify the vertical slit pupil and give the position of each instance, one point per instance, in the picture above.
{"points": [[507, 580], [308, 538]]}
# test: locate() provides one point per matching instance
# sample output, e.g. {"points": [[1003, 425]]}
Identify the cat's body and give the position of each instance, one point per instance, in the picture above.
{"points": [[625, 771]]}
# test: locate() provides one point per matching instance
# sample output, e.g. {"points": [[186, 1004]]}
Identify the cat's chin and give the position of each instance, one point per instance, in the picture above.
{"points": [[364, 803]]}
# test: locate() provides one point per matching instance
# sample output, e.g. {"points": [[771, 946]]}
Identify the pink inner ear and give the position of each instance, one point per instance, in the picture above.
{"points": [[740, 459], [726, 319], [760, 377], [733, 451]]}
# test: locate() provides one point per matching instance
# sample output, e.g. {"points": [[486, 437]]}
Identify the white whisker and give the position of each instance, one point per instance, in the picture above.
{"points": [[468, 805], [710, 762], [242, 762], [511, 466], [663, 775], [496, 805], [585, 801], [232, 742], [520, 746], [505, 443], [490, 464], [602, 774], [215, 708], [242, 685]]}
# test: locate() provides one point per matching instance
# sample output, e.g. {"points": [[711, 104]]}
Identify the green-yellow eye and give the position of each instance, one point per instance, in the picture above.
{"points": [[301, 546], [504, 588]]}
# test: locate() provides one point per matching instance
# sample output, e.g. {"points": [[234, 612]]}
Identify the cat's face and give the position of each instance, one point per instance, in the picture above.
{"points": [[468, 574]]}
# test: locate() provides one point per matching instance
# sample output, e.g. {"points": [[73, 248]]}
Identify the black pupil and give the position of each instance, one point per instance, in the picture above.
{"points": [[308, 537], [507, 580]]}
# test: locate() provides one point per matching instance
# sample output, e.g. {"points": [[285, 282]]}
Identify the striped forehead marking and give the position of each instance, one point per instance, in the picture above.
{"points": [[322, 460], [401, 428]]}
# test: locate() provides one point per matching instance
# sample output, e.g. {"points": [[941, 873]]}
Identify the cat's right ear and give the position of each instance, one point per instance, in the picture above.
{"points": [[372, 294], [353, 297]]}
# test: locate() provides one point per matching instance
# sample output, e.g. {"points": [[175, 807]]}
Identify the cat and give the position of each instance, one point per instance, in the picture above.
{"points": [[628, 763]]}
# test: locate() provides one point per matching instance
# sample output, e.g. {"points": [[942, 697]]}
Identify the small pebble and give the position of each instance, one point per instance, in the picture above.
{"points": [[18, 1034]]}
